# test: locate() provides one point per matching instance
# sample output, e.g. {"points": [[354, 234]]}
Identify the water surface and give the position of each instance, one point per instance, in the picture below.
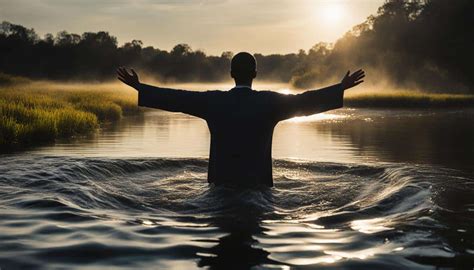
{"points": [[354, 188]]}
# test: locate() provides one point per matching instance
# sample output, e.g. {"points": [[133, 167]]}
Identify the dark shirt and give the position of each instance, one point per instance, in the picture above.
{"points": [[241, 122]]}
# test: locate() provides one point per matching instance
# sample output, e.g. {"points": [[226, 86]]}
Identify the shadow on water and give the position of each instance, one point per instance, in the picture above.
{"points": [[239, 219]]}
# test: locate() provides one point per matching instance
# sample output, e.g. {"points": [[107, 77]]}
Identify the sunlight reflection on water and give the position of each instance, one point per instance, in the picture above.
{"points": [[317, 117], [370, 226], [318, 246]]}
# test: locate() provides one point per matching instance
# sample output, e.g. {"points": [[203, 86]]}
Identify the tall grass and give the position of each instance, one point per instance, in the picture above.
{"points": [[34, 113]]}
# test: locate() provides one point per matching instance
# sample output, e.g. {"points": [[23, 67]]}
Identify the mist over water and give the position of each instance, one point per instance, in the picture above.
{"points": [[353, 189]]}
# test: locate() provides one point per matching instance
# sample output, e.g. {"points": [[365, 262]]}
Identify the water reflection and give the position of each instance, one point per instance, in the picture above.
{"points": [[237, 249], [318, 117], [438, 137], [373, 225], [239, 217], [425, 137], [152, 134], [301, 245]]}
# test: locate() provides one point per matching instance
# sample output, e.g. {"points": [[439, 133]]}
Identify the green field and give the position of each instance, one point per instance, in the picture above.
{"points": [[39, 112]]}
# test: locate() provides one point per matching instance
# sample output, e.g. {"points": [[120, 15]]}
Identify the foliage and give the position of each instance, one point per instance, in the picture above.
{"points": [[422, 44]]}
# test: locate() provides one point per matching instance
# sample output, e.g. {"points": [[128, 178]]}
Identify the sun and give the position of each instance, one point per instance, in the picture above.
{"points": [[332, 13]]}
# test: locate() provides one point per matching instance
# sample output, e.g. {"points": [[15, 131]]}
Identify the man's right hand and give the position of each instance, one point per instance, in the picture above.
{"points": [[130, 79]]}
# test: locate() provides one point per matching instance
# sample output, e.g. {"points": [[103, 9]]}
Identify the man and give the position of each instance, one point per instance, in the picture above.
{"points": [[241, 121]]}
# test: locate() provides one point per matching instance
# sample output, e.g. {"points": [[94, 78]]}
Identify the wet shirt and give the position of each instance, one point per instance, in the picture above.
{"points": [[241, 122]]}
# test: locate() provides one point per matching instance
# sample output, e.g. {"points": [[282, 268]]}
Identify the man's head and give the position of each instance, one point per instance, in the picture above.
{"points": [[243, 68]]}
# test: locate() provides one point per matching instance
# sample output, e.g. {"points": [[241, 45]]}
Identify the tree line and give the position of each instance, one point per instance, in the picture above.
{"points": [[426, 44]]}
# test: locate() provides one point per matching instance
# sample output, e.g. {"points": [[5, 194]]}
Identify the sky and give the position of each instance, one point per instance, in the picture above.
{"points": [[213, 26]]}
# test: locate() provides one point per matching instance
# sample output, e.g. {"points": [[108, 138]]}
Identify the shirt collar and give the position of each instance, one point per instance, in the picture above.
{"points": [[242, 86]]}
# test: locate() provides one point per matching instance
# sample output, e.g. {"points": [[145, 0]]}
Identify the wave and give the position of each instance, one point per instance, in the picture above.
{"points": [[301, 187], [373, 209]]}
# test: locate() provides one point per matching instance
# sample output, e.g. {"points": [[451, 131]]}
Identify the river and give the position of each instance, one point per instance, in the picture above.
{"points": [[354, 188]]}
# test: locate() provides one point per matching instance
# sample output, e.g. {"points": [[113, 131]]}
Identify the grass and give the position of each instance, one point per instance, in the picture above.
{"points": [[32, 113], [406, 99]]}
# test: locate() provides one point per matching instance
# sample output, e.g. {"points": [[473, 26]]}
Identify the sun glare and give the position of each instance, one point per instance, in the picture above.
{"points": [[332, 13]]}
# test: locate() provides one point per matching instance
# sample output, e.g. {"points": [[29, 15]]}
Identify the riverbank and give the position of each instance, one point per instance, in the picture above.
{"points": [[40, 112], [406, 99]]}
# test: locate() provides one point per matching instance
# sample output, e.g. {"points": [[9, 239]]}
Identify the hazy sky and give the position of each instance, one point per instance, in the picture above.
{"points": [[214, 26]]}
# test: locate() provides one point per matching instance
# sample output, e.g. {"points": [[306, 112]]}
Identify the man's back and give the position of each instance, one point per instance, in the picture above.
{"points": [[241, 122]]}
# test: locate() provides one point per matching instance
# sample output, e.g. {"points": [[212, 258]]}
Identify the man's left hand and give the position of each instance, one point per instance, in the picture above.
{"points": [[351, 80]]}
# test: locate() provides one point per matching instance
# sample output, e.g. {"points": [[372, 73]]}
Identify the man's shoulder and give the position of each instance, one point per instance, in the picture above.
{"points": [[268, 94], [215, 92], [228, 92], [258, 93]]}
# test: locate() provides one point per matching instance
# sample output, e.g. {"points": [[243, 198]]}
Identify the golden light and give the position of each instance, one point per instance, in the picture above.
{"points": [[285, 91], [332, 13], [370, 226], [316, 118]]}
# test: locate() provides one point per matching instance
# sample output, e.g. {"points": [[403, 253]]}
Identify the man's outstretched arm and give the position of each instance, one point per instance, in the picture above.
{"points": [[189, 102], [316, 101]]}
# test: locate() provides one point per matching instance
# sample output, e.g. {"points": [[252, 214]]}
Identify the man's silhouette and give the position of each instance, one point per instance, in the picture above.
{"points": [[241, 121]]}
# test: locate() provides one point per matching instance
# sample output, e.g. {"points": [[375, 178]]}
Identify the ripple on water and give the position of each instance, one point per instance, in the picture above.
{"points": [[63, 212]]}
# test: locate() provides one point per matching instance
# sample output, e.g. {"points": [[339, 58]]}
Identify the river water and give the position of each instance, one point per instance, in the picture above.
{"points": [[354, 189]]}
